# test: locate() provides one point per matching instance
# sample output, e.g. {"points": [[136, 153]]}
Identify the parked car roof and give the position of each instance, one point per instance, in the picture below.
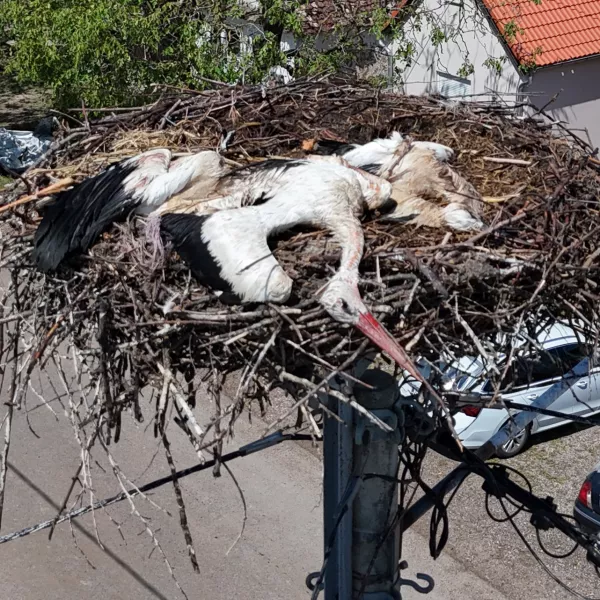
{"points": [[464, 372]]}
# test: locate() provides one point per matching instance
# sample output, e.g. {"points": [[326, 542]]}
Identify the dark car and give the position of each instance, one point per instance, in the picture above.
{"points": [[587, 506]]}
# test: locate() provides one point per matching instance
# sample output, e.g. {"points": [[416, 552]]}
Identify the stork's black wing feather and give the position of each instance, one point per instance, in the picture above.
{"points": [[372, 168], [80, 215], [186, 234], [328, 147]]}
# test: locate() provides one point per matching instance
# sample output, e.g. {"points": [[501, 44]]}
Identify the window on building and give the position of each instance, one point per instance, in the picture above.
{"points": [[452, 86]]}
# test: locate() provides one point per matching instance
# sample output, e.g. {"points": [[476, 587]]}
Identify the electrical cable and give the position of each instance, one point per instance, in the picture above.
{"points": [[511, 518], [543, 565], [591, 421], [256, 446], [552, 554], [541, 510], [519, 507]]}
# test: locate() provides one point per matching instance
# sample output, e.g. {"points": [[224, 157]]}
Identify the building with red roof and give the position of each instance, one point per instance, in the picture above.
{"points": [[546, 52], [550, 31]]}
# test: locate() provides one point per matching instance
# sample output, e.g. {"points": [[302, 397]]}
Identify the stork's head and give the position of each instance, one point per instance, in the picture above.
{"points": [[341, 299], [376, 190]]}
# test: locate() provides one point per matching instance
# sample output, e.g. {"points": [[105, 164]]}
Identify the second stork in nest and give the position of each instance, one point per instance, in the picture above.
{"points": [[426, 190]]}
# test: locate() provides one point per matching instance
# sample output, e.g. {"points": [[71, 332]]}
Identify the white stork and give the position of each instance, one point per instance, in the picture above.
{"points": [[83, 212], [426, 190], [375, 154], [228, 249]]}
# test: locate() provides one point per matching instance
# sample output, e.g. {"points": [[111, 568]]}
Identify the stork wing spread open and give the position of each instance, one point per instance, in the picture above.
{"points": [[185, 233], [81, 214], [228, 251]]}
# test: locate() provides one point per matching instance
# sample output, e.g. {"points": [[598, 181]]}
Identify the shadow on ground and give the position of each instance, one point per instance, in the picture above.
{"points": [[564, 431]]}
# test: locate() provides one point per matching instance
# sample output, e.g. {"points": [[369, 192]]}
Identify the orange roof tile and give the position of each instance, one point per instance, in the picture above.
{"points": [[549, 32]]}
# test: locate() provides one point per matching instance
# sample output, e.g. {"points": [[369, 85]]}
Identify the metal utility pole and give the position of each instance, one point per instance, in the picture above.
{"points": [[361, 494], [337, 516], [375, 546]]}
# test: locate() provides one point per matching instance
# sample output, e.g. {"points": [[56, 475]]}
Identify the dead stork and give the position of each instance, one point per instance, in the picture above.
{"points": [[228, 249], [140, 184], [426, 190]]}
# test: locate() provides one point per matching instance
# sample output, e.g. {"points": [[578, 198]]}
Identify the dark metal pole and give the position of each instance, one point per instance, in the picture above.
{"points": [[337, 458], [375, 462]]}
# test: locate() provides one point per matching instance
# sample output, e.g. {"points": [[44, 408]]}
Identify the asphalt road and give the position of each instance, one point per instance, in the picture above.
{"points": [[281, 544]]}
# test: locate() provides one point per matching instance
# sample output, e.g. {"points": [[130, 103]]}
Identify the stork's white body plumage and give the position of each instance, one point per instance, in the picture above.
{"points": [[292, 193], [259, 182], [203, 170], [140, 184], [376, 152], [381, 151]]}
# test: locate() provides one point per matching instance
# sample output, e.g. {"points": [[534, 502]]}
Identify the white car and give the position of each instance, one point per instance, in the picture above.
{"points": [[529, 376]]}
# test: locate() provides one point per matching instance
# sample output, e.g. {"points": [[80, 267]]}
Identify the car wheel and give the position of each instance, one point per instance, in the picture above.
{"points": [[514, 445]]}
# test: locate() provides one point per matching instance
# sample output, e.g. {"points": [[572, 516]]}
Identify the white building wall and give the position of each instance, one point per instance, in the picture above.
{"points": [[469, 39], [570, 93]]}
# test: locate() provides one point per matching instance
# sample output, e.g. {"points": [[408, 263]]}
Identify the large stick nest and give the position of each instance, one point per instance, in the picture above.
{"points": [[130, 319]]}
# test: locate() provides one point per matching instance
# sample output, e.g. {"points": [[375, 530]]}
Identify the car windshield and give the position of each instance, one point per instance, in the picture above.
{"points": [[541, 366]]}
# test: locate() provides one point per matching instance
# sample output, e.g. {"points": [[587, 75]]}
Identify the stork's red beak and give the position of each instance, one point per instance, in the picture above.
{"points": [[375, 331]]}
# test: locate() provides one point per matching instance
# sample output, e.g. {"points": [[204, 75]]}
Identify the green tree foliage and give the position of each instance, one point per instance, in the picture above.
{"points": [[114, 51], [107, 52]]}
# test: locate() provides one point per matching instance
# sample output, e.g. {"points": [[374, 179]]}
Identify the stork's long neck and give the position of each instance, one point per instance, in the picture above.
{"points": [[345, 227]]}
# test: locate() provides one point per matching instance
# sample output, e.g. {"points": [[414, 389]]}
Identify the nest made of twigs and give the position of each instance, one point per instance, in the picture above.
{"points": [[138, 320]]}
